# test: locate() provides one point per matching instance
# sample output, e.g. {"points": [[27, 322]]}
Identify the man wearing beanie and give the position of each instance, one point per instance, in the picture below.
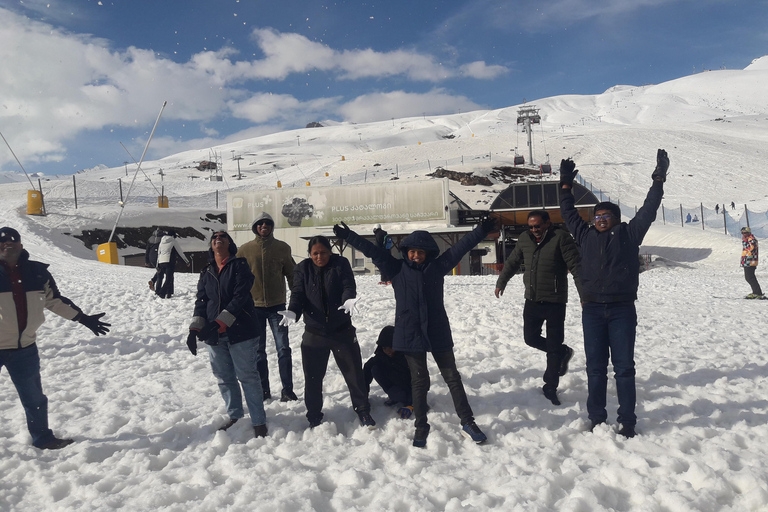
{"points": [[272, 265], [610, 269], [26, 288]]}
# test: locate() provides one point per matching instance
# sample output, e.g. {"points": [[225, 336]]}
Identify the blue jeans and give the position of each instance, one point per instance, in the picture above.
{"points": [[280, 332], [233, 362], [23, 366], [610, 329]]}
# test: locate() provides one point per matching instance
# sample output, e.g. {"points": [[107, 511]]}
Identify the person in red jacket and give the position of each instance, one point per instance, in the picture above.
{"points": [[26, 288], [749, 262]]}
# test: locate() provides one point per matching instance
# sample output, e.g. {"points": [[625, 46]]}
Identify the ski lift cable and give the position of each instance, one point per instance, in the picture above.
{"points": [[17, 161], [142, 172], [138, 168]]}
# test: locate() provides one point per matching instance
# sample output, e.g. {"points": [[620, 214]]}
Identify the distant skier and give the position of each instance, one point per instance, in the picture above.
{"points": [[717, 208], [749, 262], [150, 255], [733, 205], [167, 254]]}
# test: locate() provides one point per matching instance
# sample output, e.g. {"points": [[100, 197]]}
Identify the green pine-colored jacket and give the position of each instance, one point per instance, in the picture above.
{"points": [[546, 265], [272, 264]]}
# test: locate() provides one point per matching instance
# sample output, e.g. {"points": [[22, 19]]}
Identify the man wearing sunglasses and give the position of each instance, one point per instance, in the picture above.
{"points": [[272, 266], [26, 289], [548, 253], [610, 267]]}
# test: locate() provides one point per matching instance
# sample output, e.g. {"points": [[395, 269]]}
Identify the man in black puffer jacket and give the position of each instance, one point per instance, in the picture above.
{"points": [[548, 254], [421, 322], [609, 280]]}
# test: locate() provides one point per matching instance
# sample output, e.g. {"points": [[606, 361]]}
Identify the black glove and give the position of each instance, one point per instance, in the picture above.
{"points": [[662, 164], [341, 231], [488, 225], [192, 342], [568, 172], [93, 322], [209, 330]]}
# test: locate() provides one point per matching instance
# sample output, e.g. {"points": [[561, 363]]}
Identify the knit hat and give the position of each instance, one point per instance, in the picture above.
{"points": [[746, 230], [9, 235]]}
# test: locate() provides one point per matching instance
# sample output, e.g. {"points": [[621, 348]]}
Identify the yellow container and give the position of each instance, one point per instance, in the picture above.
{"points": [[107, 253], [34, 202], [162, 201]]}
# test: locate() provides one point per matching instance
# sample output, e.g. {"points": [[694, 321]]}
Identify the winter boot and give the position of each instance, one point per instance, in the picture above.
{"points": [[567, 355], [420, 437], [228, 424], [260, 431], [473, 432], [551, 395]]}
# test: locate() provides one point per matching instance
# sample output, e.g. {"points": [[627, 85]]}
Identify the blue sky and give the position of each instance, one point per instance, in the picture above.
{"points": [[80, 77]]}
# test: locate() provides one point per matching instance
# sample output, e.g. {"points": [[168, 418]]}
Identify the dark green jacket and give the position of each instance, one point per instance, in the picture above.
{"points": [[546, 265]]}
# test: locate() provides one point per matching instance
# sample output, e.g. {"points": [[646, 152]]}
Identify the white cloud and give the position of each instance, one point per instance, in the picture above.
{"points": [[380, 106], [482, 71]]}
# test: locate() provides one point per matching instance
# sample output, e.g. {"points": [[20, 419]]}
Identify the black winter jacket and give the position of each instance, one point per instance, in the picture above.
{"points": [[421, 322], [546, 265], [319, 292], [226, 296], [610, 261]]}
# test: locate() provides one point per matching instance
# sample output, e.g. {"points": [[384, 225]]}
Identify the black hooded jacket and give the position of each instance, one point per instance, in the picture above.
{"points": [[421, 322], [226, 296], [318, 292]]}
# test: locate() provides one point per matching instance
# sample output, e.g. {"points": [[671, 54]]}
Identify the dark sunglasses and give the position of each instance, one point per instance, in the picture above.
{"points": [[221, 236], [605, 216], [535, 226]]}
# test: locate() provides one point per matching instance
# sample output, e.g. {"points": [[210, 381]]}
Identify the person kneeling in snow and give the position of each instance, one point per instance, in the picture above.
{"points": [[26, 287], [390, 370], [225, 319], [421, 322]]}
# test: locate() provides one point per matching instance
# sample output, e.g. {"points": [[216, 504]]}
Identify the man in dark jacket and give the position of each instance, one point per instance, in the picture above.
{"points": [[26, 289], [225, 319], [548, 254], [610, 269], [390, 370], [421, 322]]}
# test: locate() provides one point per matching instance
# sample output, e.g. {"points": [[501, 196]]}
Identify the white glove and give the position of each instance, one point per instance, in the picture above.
{"points": [[349, 307], [289, 317]]}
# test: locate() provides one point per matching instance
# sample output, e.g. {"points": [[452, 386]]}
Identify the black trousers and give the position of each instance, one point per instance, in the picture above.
{"points": [[534, 316], [314, 360], [749, 275], [164, 284], [446, 362]]}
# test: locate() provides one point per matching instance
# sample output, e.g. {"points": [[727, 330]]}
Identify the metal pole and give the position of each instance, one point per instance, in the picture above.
{"points": [[74, 186], [663, 216], [22, 167], [42, 196], [725, 227], [217, 199], [120, 184], [138, 168], [681, 216], [746, 212], [701, 206]]}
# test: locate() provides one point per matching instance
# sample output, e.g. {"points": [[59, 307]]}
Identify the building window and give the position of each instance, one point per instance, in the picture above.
{"points": [[358, 259]]}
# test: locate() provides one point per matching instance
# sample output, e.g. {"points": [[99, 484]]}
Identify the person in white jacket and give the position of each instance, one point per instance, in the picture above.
{"points": [[167, 254]]}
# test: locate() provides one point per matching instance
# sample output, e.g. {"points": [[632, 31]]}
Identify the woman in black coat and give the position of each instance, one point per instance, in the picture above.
{"points": [[324, 291]]}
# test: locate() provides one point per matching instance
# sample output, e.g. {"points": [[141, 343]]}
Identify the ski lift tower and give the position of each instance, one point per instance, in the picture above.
{"points": [[216, 170], [528, 115]]}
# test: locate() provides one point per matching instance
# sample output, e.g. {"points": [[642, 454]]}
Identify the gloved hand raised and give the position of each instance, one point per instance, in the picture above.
{"points": [[568, 172], [93, 322], [289, 317], [209, 330], [192, 342], [342, 231], [405, 412], [349, 307], [662, 164], [488, 225]]}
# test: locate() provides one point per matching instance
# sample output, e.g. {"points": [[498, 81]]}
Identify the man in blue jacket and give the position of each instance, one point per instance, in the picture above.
{"points": [[26, 289], [610, 269]]}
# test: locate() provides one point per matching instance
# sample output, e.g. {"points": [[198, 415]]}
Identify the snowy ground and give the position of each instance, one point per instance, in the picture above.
{"points": [[144, 411]]}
